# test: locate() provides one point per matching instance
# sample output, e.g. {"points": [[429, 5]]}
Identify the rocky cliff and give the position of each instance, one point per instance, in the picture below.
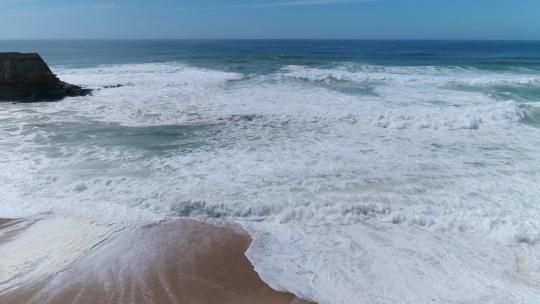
{"points": [[26, 77]]}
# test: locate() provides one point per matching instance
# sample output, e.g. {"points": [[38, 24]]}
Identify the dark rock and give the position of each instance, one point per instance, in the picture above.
{"points": [[27, 78], [113, 86]]}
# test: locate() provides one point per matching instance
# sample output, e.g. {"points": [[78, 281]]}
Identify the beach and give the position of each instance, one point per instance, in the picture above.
{"points": [[173, 261], [4, 221]]}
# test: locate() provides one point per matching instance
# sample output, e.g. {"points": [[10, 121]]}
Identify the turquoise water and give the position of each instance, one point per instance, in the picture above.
{"points": [[361, 166]]}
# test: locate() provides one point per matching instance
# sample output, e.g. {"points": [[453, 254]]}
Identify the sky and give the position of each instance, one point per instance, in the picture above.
{"points": [[270, 19]]}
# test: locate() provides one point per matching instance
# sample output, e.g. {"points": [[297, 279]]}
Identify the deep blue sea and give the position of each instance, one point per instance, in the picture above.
{"points": [[244, 55], [369, 171]]}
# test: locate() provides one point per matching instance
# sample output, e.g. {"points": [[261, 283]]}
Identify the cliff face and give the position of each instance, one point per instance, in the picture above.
{"points": [[26, 77]]}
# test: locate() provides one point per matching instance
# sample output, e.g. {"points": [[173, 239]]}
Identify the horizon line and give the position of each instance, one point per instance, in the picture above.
{"points": [[268, 39]]}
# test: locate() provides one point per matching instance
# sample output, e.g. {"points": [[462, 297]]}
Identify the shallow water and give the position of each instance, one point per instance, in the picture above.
{"points": [[371, 171]]}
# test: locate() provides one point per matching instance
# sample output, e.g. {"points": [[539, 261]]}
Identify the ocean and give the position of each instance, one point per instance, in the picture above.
{"points": [[366, 171]]}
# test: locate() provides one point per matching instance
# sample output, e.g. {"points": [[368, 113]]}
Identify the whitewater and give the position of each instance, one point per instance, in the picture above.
{"points": [[360, 182]]}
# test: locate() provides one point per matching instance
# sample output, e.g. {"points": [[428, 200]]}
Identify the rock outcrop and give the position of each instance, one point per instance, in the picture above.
{"points": [[27, 78]]}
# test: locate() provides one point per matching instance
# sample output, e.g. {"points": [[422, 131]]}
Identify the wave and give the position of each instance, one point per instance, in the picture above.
{"points": [[423, 83], [417, 75], [374, 263]]}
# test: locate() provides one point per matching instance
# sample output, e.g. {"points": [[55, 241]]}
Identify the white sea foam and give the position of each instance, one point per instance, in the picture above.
{"points": [[374, 263], [411, 75], [416, 180]]}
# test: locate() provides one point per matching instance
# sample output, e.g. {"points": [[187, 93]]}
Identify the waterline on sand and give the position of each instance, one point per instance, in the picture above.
{"points": [[173, 261]]}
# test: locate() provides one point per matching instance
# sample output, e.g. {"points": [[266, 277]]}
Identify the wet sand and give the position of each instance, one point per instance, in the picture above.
{"points": [[4, 221], [178, 261]]}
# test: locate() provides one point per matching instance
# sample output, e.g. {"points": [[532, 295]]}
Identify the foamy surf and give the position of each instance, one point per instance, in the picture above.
{"points": [[382, 263]]}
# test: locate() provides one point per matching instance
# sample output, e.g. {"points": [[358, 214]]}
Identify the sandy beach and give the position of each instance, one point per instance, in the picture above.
{"points": [[176, 261]]}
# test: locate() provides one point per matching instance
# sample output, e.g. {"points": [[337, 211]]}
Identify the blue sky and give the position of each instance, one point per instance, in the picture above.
{"points": [[362, 19]]}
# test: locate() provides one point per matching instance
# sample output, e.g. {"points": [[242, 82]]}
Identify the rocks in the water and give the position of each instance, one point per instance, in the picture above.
{"points": [[26, 77], [113, 86]]}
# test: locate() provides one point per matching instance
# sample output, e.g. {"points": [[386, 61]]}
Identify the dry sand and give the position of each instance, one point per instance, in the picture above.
{"points": [[179, 261]]}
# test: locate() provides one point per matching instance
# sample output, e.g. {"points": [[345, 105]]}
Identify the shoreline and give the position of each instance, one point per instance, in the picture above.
{"points": [[173, 261]]}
